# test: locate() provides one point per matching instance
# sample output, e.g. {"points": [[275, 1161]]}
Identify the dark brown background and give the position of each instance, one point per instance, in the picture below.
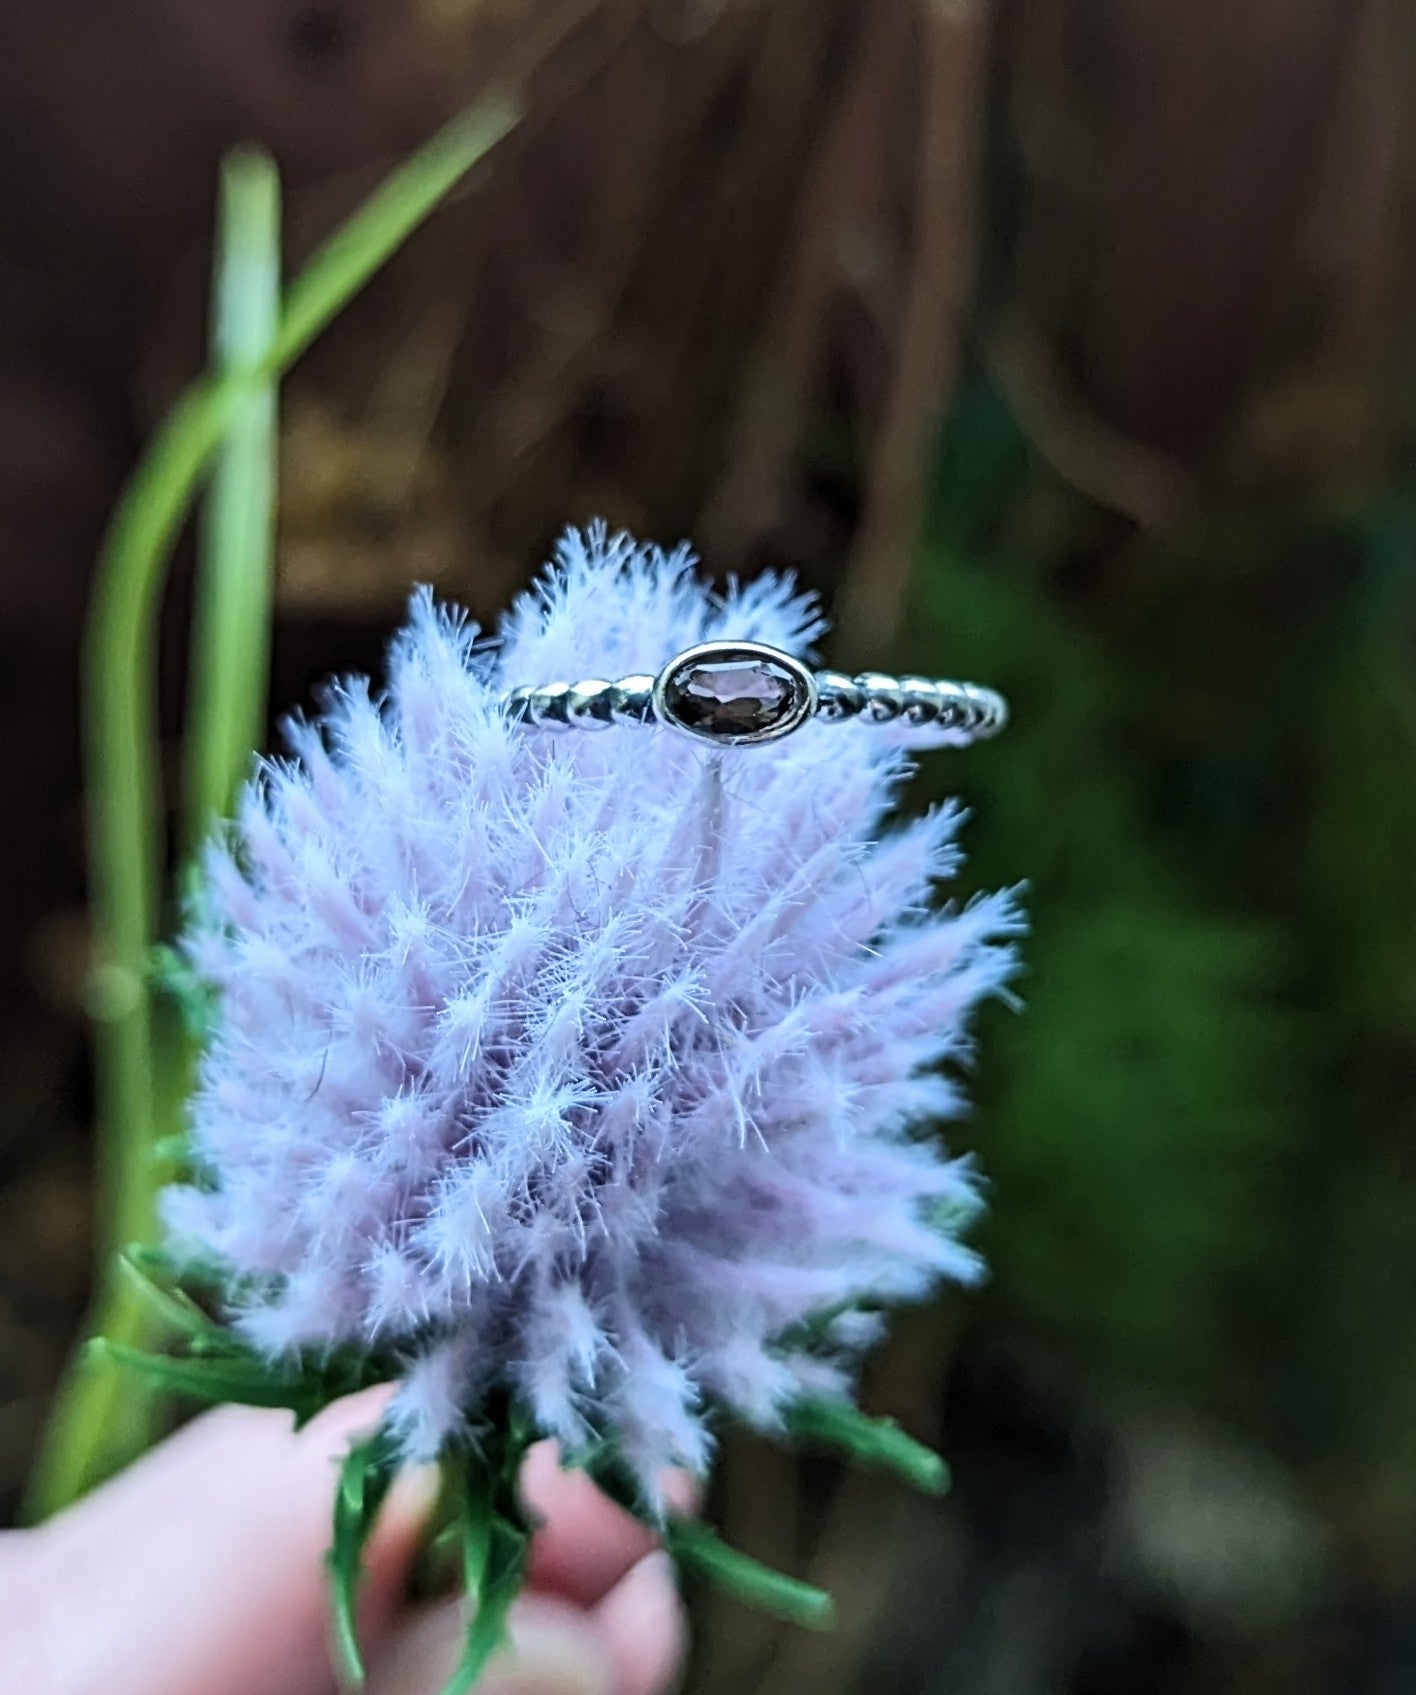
{"points": [[740, 265]]}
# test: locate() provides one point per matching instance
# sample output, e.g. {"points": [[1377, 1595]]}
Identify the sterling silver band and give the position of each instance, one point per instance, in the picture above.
{"points": [[742, 693]]}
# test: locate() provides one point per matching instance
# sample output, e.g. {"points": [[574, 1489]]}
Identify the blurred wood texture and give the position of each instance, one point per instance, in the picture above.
{"points": [[724, 279], [722, 284]]}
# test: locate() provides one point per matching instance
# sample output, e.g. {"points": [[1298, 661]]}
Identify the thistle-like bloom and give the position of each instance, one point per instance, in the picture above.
{"points": [[598, 1069]]}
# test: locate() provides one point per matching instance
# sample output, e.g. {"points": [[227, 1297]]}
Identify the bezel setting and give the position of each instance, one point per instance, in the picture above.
{"points": [[799, 701]]}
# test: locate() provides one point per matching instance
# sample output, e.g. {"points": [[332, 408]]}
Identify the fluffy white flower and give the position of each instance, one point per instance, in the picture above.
{"points": [[586, 1067]]}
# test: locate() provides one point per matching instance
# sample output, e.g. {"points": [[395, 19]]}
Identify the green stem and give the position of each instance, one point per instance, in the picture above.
{"points": [[698, 1549], [228, 683], [875, 1442], [96, 1417], [359, 247], [99, 1422]]}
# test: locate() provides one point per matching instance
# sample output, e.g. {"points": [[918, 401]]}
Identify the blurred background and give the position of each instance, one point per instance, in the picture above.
{"points": [[1066, 344]]}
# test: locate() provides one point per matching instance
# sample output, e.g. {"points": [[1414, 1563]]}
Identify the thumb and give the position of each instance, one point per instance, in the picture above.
{"points": [[630, 1642], [555, 1648]]}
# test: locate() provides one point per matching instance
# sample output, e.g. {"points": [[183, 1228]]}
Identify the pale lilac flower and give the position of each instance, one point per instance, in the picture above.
{"points": [[588, 1066]]}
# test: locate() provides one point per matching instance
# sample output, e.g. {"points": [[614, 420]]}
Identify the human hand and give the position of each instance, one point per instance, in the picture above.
{"points": [[199, 1572]]}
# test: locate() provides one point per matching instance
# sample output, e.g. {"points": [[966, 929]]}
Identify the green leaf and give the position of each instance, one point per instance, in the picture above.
{"points": [[698, 1549], [98, 1423], [231, 624], [172, 977], [170, 1308], [350, 257], [875, 1442], [241, 1378], [161, 1266], [364, 1482], [215, 1365], [495, 1541]]}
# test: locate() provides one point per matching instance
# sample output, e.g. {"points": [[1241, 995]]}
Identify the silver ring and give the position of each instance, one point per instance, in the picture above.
{"points": [[738, 694]]}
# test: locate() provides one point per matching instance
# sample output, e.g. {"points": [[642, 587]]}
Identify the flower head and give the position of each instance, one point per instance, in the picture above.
{"points": [[592, 1068]]}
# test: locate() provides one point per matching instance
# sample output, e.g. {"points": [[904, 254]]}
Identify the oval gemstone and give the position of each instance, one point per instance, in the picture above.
{"points": [[729, 694]]}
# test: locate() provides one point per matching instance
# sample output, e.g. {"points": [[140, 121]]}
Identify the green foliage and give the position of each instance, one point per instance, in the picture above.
{"points": [[365, 1479], [171, 1310], [1198, 1134], [1352, 897], [486, 1522], [374, 233], [1361, 873], [1129, 1116], [227, 417], [1133, 1134], [874, 1443], [495, 1538], [207, 1362], [878, 1444], [1132, 1118], [698, 1549], [174, 981], [232, 619]]}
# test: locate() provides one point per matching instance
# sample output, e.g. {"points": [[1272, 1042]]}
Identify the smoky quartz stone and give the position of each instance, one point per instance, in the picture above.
{"points": [[734, 693]]}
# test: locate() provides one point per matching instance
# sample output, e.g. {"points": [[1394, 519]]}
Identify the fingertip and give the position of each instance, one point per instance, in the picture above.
{"points": [[345, 1421], [393, 1547], [553, 1648], [644, 1626], [585, 1543], [682, 1493]]}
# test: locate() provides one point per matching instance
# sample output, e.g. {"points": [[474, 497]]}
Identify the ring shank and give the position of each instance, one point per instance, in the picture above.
{"points": [[971, 710], [968, 711]]}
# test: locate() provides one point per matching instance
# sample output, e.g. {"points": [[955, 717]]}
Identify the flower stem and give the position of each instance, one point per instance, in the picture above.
{"points": [[99, 1422], [97, 1419], [228, 683]]}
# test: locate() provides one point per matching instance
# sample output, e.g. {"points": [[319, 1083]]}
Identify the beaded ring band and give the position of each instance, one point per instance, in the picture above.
{"points": [[737, 694]]}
